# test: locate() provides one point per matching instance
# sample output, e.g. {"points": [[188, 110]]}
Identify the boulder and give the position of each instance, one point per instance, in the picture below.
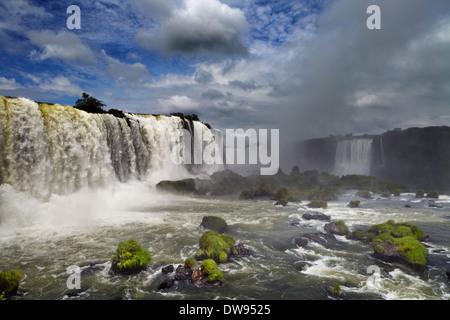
{"points": [[215, 246], [240, 250], [316, 216], [336, 227], [327, 240], [399, 242], [168, 269], [214, 223], [301, 242], [167, 283], [130, 258]]}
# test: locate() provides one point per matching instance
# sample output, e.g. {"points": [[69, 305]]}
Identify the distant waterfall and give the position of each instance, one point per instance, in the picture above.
{"points": [[54, 149], [353, 156]]}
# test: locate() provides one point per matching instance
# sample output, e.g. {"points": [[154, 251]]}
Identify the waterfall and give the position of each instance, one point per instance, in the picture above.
{"points": [[50, 149], [353, 156]]}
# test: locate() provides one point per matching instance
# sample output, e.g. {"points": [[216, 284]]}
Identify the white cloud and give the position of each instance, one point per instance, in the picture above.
{"points": [[178, 103], [60, 85], [9, 84], [62, 45], [131, 73]]}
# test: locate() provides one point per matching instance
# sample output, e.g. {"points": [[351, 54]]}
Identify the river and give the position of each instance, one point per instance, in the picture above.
{"points": [[44, 238]]}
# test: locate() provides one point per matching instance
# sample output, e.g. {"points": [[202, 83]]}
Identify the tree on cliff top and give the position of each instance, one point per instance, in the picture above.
{"points": [[89, 104]]}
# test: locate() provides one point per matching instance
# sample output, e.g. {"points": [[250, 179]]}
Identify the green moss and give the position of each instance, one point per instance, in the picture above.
{"points": [[189, 263], [386, 194], [209, 268], [131, 255], [433, 194], [343, 229], [415, 252], [336, 290], [317, 204], [354, 204], [358, 234], [420, 194], [9, 281], [405, 237], [283, 202], [215, 246]]}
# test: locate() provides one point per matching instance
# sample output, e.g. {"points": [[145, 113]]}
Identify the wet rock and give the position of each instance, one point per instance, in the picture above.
{"points": [[316, 216], [336, 227], [301, 242], [182, 273], [168, 269], [214, 223], [327, 240], [91, 268], [448, 275], [240, 250], [167, 283]]}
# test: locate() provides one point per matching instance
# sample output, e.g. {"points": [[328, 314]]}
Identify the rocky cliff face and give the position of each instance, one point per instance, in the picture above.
{"points": [[416, 157]]}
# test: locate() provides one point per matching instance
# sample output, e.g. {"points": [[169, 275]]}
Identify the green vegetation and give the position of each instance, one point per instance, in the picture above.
{"points": [[215, 246], [336, 290], [420, 194], [131, 256], [190, 263], [89, 104], [209, 268], [354, 204], [317, 204], [405, 237], [433, 194], [343, 229], [358, 235], [386, 194], [9, 282]]}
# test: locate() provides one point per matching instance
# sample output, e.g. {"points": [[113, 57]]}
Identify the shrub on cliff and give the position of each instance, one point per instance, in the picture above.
{"points": [[89, 104]]}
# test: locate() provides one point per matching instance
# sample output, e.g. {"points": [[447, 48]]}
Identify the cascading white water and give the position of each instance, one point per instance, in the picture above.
{"points": [[353, 156], [54, 149]]}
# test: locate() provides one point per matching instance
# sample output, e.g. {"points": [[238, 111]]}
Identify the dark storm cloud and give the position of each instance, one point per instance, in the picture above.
{"points": [[197, 28]]}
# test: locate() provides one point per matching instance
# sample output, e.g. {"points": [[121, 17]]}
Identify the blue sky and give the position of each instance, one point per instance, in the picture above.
{"points": [[310, 68]]}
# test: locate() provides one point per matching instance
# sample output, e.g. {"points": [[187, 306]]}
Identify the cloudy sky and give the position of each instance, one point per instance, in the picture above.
{"points": [[310, 68]]}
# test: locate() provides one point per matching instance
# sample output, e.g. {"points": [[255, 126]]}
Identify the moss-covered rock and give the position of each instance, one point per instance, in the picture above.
{"points": [[354, 204], [180, 186], [209, 269], [337, 227], [433, 194], [130, 258], [215, 246], [9, 282], [420, 194], [214, 223], [399, 242], [317, 204], [385, 194], [190, 263]]}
